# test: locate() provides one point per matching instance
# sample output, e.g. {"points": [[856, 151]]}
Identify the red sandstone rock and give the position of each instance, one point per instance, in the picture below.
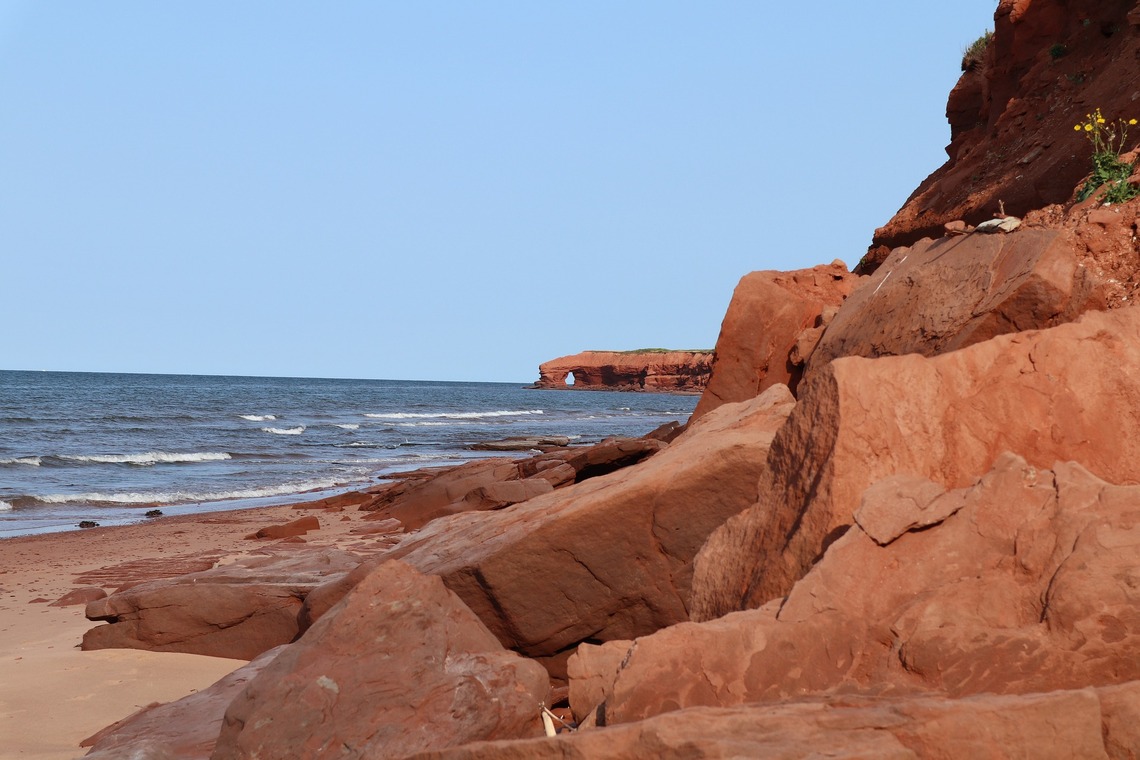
{"points": [[298, 527], [79, 596], [495, 483], [610, 455], [499, 495], [417, 502], [945, 294], [648, 370], [136, 571], [399, 665], [237, 610], [186, 728], [768, 312], [609, 557], [1069, 392], [1024, 588], [1066, 724], [338, 502]]}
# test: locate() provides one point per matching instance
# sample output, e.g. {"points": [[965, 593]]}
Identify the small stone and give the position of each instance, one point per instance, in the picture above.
{"points": [[154, 513], [1008, 224], [88, 524]]}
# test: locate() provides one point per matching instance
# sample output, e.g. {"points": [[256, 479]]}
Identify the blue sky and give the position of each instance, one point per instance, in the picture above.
{"points": [[440, 190]]}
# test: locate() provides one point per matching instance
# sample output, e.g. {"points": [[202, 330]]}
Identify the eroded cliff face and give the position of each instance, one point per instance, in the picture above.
{"points": [[1013, 145], [662, 371]]}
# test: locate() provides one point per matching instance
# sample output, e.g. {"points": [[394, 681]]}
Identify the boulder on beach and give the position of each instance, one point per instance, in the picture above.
{"points": [[398, 666], [298, 527]]}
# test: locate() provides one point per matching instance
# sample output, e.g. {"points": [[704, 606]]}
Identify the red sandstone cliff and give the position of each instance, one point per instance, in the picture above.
{"points": [[1011, 118], [649, 370]]}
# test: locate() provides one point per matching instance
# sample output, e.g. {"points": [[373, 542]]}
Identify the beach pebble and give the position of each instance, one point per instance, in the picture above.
{"points": [[296, 528]]}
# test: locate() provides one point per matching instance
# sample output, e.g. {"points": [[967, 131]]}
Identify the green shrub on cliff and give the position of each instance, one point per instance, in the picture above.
{"points": [[973, 53]]}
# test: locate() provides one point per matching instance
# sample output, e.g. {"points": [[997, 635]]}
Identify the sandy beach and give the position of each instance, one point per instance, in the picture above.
{"points": [[52, 694]]}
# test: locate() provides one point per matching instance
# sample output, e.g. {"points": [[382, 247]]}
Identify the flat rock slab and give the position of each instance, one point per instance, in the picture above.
{"points": [[238, 610], [133, 572], [903, 503]]}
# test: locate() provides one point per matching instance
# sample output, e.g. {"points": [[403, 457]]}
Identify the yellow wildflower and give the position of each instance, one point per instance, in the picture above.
{"points": [[1132, 122], [1088, 127]]}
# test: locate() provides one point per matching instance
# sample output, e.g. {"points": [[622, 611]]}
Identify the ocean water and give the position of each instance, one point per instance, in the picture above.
{"points": [[108, 447]]}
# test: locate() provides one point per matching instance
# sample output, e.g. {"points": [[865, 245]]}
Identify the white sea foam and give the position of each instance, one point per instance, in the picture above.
{"points": [[5, 507], [176, 497], [285, 431], [151, 457], [451, 415], [349, 426], [258, 417], [29, 461]]}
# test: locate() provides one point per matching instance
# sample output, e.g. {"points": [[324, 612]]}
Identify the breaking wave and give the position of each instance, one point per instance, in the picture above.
{"points": [[5, 507], [284, 431], [29, 461], [367, 445], [149, 458], [177, 497], [258, 417], [348, 426]]}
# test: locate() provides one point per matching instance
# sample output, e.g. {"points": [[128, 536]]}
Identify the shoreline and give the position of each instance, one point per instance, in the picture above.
{"points": [[174, 511], [52, 694]]}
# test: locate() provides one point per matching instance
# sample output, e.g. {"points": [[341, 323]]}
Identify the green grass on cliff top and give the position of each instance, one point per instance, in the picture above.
{"points": [[655, 351]]}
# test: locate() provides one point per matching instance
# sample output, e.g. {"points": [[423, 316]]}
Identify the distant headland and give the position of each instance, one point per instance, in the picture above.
{"points": [[659, 370]]}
